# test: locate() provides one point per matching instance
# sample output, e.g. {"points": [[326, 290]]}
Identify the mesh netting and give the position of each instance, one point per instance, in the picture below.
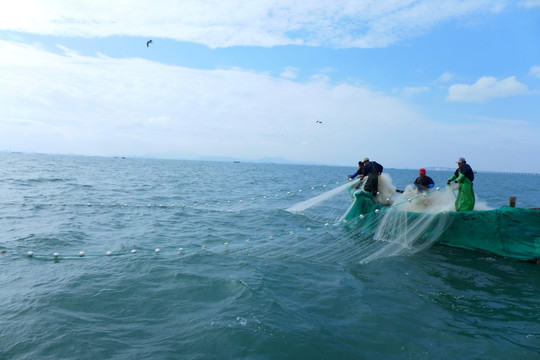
{"points": [[393, 224]]}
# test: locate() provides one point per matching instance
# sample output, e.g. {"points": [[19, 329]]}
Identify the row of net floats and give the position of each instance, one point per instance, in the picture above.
{"points": [[224, 245]]}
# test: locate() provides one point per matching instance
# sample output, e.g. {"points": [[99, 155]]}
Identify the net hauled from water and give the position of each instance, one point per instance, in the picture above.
{"points": [[392, 224], [361, 228]]}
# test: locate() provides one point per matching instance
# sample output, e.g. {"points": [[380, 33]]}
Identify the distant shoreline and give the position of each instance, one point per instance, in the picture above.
{"points": [[277, 161]]}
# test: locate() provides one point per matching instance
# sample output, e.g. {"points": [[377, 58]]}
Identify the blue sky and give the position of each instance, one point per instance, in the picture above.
{"points": [[410, 84]]}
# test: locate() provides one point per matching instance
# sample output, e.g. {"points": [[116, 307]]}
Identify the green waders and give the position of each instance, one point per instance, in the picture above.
{"points": [[465, 198]]}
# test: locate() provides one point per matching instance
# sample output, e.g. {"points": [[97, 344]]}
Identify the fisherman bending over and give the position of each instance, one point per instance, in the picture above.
{"points": [[423, 182], [358, 172], [372, 170], [463, 175]]}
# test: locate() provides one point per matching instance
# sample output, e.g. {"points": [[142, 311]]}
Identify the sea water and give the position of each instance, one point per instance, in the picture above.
{"points": [[242, 286]]}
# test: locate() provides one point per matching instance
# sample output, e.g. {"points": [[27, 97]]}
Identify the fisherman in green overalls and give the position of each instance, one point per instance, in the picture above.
{"points": [[463, 175]]}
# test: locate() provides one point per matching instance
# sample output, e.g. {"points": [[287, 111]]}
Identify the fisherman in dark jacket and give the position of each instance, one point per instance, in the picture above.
{"points": [[423, 182], [372, 170], [464, 175], [358, 172]]}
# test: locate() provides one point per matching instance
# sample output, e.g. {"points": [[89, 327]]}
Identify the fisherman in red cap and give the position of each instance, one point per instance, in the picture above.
{"points": [[423, 182]]}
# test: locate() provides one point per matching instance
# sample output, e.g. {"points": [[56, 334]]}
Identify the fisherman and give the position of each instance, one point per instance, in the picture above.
{"points": [[372, 170], [358, 172], [464, 176], [423, 182]]}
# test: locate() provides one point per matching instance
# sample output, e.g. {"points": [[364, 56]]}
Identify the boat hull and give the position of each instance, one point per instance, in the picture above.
{"points": [[510, 232]]}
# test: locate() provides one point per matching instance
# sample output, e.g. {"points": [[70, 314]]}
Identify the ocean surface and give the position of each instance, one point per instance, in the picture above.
{"points": [[200, 260]]}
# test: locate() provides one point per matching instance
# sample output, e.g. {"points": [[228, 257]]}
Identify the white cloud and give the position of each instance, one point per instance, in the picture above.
{"points": [[218, 23], [411, 91], [529, 3], [97, 105], [68, 103], [445, 77], [535, 70], [486, 88], [289, 73]]}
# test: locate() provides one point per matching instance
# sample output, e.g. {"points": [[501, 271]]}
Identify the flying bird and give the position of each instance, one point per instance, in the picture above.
{"points": [[148, 43], [318, 122]]}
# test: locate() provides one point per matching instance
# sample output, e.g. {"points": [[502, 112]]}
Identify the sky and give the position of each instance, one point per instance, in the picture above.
{"points": [[407, 83]]}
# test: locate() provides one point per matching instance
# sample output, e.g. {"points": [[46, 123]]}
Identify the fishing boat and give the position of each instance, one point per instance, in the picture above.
{"points": [[415, 220]]}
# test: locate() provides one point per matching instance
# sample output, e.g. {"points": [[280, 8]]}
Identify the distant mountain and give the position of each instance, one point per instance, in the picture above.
{"points": [[266, 160], [273, 160], [284, 161], [217, 158], [440, 168]]}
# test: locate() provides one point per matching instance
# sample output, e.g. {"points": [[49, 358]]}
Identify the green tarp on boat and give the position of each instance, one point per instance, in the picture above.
{"points": [[508, 231]]}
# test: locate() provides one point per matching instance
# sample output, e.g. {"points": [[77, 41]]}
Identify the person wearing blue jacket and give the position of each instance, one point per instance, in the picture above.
{"points": [[358, 172]]}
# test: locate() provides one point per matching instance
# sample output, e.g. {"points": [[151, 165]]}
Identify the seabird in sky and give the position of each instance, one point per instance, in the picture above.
{"points": [[148, 43], [319, 122]]}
